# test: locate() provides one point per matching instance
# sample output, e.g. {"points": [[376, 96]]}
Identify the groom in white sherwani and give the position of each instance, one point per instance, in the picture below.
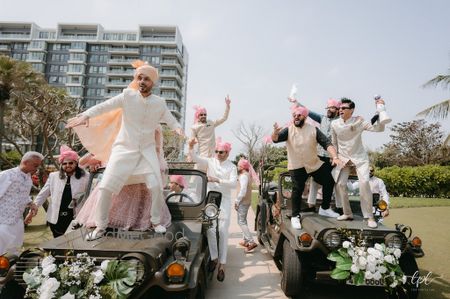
{"points": [[133, 152]]}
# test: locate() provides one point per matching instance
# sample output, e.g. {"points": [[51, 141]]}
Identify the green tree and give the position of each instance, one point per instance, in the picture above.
{"points": [[414, 143]]}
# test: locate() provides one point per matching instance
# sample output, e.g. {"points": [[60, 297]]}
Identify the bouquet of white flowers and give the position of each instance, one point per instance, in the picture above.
{"points": [[79, 278], [359, 264]]}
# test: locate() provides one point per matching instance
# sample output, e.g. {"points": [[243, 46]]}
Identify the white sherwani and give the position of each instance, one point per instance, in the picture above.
{"points": [[134, 150], [54, 187], [346, 138], [226, 172]]}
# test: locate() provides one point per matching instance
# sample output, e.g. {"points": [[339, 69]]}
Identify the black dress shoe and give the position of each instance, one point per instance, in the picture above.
{"points": [[310, 209], [212, 266], [221, 275], [340, 211]]}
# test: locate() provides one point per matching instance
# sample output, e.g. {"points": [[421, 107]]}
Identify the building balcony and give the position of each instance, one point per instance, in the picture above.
{"points": [[172, 76], [117, 84], [77, 50], [76, 61], [123, 50], [126, 74], [172, 63], [35, 60], [69, 84], [176, 114], [14, 36], [77, 37], [73, 72], [5, 48], [121, 61], [157, 38]]}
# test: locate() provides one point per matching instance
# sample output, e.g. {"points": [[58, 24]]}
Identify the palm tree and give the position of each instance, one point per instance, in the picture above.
{"points": [[439, 110]]}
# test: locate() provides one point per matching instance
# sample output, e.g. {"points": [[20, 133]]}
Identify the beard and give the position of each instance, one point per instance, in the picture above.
{"points": [[331, 114], [299, 123]]}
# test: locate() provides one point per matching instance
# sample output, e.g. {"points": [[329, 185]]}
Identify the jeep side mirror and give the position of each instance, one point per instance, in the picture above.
{"points": [[214, 197]]}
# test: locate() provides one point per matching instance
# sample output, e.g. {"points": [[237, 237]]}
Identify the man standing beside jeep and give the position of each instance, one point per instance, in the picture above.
{"points": [[301, 143]]}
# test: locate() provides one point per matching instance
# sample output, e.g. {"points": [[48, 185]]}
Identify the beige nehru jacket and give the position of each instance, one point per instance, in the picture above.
{"points": [[205, 135], [302, 148], [247, 199]]}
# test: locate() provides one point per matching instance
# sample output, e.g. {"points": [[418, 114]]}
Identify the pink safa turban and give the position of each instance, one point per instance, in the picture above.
{"points": [[245, 164], [300, 111], [66, 152], [198, 110], [333, 103], [178, 179], [142, 67], [222, 146]]}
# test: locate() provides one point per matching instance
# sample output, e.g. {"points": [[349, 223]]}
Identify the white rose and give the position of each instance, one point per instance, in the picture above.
{"points": [[98, 276], [392, 274], [382, 269], [350, 252], [48, 269], [346, 244], [389, 259], [404, 278], [379, 247], [377, 275], [371, 251], [368, 275], [371, 267], [393, 285], [68, 295], [104, 265], [47, 261], [362, 261], [397, 253], [354, 269], [371, 259], [360, 252]]}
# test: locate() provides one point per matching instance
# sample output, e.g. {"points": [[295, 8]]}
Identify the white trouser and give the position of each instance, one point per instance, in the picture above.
{"points": [[365, 193], [11, 238], [224, 224], [312, 196]]}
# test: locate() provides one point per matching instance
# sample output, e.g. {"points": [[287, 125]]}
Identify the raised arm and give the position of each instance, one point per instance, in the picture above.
{"points": [[220, 121], [43, 194]]}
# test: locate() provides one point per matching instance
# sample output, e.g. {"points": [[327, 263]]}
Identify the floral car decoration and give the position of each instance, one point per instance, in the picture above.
{"points": [[79, 277], [358, 263]]}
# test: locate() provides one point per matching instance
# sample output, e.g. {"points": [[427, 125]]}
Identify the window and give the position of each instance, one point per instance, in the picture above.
{"points": [[36, 56], [37, 44], [58, 68], [57, 79], [131, 36], [96, 80], [75, 91], [98, 58], [97, 69], [20, 56], [99, 48], [38, 67], [151, 49], [77, 57], [44, 34], [20, 46], [59, 57], [168, 94], [78, 45], [76, 68], [95, 92]]}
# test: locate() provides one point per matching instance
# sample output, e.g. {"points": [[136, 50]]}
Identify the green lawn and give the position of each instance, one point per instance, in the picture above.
{"points": [[396, 202]]}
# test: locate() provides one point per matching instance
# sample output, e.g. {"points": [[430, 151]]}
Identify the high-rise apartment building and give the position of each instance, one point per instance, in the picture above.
{"points": [[94, 64]]}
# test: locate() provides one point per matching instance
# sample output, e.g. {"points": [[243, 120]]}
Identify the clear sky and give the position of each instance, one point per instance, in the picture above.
{"points": [[254, 50]]}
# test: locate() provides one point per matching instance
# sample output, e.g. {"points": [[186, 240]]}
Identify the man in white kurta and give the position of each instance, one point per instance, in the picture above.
{"points": [[134, 150], [346, 137], [203, 130], [15, 187], [222, 177]]}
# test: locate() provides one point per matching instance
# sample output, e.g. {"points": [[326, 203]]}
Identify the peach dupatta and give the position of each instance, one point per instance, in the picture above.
{"points": [[99, 137]]}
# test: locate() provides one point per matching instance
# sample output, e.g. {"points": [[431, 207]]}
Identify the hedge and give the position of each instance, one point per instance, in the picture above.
{"points": [[419, 181]]}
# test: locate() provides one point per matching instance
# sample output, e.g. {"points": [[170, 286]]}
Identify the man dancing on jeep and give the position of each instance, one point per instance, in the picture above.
{"points": [[301, 143]]}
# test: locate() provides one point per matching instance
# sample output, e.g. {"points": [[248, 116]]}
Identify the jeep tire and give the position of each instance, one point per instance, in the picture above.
{"points": [[291, 273]]}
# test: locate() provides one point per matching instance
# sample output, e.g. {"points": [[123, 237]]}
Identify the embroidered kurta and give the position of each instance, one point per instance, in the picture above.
{"points": [[205, 134]]}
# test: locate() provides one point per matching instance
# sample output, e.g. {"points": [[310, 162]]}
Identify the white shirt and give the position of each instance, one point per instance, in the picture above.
{"points": [[243, 182], [15, 187], [226, 172], [376, 186]]}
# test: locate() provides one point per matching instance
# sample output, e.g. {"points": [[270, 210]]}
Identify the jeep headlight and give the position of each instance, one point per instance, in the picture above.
{"points": [[4, 265], [393, 241], [175, 272], [332, 239], [211, 211]]}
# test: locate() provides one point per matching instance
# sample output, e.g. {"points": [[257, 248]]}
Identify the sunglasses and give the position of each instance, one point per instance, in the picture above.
{"points": [[220, 152], [68, 163], [344, 108], [203, 114]]}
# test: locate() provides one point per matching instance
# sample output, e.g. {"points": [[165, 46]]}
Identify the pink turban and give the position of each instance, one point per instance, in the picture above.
{"points": [[178, 179], [222, 146], [198, 111], [66, 152], [333, 103], [245, 164], [300, 111], [142, 67]]}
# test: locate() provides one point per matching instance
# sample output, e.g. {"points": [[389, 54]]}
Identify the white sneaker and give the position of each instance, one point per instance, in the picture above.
{"points": [[345, 217], [95, 234], [372, 223], [295, 222], [328, 213], [159, 229]]}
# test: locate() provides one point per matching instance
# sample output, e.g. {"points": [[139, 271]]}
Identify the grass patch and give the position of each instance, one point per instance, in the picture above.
{"points": [[414, 202], [396, 202]]}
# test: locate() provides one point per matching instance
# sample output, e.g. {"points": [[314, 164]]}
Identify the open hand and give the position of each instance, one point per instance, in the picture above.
{"points": [[227, 100], [78, 121]]}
